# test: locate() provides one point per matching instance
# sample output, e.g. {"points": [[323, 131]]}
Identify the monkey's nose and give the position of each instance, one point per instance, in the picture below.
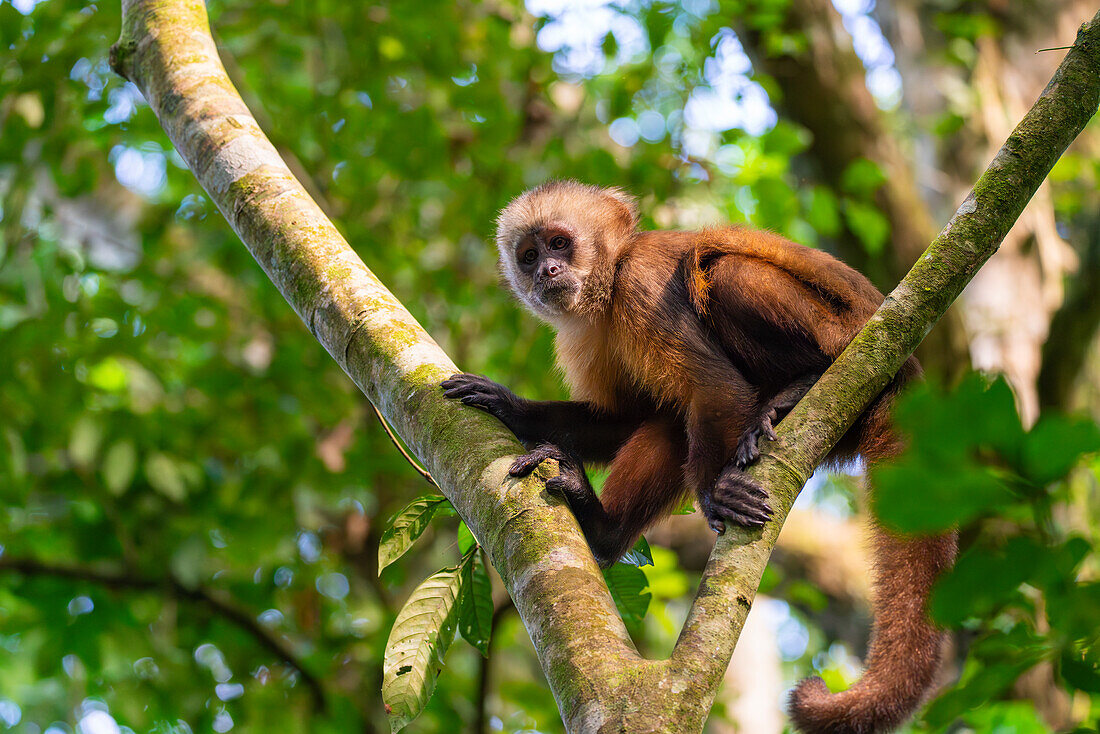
{"points": [[553, 270]]}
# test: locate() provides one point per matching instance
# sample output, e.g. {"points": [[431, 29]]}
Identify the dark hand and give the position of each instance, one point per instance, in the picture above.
{"points": [[735, 498], [481, 392]]}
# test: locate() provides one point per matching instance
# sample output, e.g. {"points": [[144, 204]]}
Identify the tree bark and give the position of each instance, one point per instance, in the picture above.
{"points": [[600, 681]]}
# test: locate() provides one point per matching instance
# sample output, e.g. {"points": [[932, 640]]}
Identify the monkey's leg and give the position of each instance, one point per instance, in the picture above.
{"points": [[716, 421], [575, 427], [773, 411], [646, 480]]}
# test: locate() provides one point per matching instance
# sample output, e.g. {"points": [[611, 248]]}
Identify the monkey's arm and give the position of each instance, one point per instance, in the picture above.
{"points": [[576, 428], [645, 482]]}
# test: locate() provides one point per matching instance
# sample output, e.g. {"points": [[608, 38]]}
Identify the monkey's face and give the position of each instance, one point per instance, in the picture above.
{"points": [[545, 262], [552, 237]]}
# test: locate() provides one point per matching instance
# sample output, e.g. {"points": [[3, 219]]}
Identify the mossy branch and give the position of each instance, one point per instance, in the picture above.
{"points": [[533, 541], [597, 676]]}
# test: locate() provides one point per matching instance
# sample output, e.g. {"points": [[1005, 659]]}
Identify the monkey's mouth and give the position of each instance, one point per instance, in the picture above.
{"points": [[558, 295]]}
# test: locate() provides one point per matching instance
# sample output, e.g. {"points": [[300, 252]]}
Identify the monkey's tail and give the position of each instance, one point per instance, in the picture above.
{"points": [[905, 647]]}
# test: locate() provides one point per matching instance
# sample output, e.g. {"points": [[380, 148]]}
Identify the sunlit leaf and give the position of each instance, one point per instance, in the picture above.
{"points": [[418, 641], [994, 664], [84, 441], [407, 526], [686, 508], [1018, 717], [466, 539], [165, 476], [109, 375]]}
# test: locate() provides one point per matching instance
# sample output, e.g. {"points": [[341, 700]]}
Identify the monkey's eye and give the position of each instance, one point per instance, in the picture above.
{"points": [[530, 256], [559, 242]]}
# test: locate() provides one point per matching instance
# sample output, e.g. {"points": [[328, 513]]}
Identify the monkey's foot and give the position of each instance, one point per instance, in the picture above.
{"points": [[748, 449], [735, 498], [570, 483], [480, 392], [526, 463]]}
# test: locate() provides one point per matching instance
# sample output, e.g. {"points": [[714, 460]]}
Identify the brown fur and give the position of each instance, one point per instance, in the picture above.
{"points": [[675, 344]]}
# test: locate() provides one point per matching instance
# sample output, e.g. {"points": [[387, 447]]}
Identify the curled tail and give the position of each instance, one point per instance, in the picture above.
{"points": [[905, 647]]}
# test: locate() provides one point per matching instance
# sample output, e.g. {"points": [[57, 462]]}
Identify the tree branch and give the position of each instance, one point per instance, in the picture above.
{"points": [[532, 539], [593, 668], [218, 603]]}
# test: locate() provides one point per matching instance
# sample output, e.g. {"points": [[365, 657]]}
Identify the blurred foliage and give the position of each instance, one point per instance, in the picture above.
{"points": [[196, 491], [1026, 588]]}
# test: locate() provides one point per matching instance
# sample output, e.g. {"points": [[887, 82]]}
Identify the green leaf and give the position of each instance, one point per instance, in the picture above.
{"points": [[687, 508], [418, 641], [406, 527], [984, 580], [785, 139], [1056, 444], [1073, 612], [610, 46], [823, 212], [977, 414], [188, 562], [913, 495], [640, 554], [993, 665], [1018, 717], [16, 454], [119, 465], [466, 539], [629, 589], [109, 375], [862, 178], [1080, 674], [164, 475], [475, 618]]}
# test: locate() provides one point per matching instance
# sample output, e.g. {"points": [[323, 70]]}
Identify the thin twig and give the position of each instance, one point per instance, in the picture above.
{"points": [[120, 581], [1053, 48], [393, 437]]}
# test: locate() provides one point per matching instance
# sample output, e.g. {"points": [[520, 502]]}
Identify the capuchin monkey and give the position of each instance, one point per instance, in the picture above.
{"points": [[682, 349]]}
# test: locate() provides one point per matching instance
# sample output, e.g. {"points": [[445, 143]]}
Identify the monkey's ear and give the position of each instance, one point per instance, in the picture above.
{"points": [[629, 202]]}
